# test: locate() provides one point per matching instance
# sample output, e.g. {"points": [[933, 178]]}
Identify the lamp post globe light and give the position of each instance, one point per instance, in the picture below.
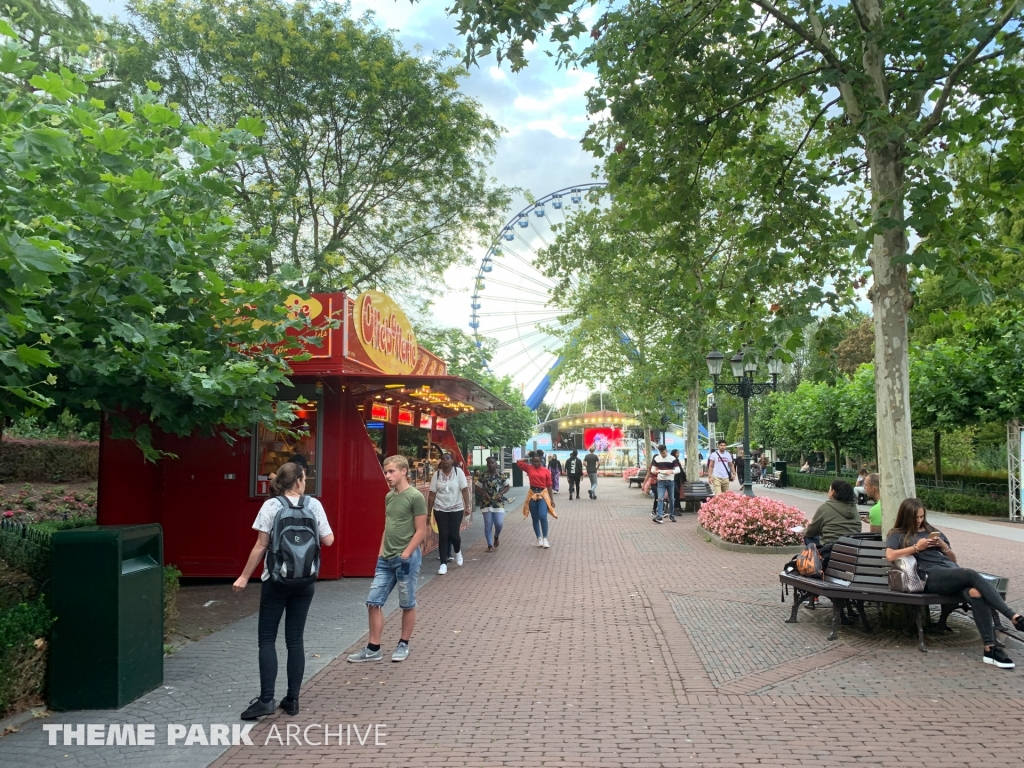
{"points": [[744, 369]]}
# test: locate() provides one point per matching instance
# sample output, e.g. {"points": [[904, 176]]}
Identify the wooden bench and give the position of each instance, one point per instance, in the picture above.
{"points": [[638, 479], [769, 479], [694, 494], [858, 572]]}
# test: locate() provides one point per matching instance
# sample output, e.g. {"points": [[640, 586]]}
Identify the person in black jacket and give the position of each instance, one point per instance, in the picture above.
{"points": [[574, 473]]}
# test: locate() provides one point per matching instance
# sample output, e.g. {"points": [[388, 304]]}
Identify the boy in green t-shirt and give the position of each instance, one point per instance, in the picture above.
{"points": [[875, 513], [398, 563]]}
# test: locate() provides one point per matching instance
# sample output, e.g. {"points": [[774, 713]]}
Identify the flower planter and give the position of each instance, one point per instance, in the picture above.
{"points": [[755, 549], [755, 524]]}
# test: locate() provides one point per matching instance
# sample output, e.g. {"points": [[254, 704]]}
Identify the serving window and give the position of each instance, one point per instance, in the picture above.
{"points": [[299, 440]]}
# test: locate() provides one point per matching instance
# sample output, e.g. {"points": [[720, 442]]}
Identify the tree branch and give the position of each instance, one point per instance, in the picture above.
{"points": [[814, 40], [953, 78]]}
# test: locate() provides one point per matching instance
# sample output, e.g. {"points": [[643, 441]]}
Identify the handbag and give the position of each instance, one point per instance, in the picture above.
{"points": [[903, 575], [808, 563]]}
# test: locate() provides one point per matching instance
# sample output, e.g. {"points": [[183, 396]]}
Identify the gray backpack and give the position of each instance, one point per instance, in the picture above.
{"points": [[293, 557], [903, 575]]}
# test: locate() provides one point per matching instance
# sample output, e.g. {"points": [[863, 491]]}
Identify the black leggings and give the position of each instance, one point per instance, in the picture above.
{"points": [[953, 581], [449, 537], [276, 599], [574, 484]]}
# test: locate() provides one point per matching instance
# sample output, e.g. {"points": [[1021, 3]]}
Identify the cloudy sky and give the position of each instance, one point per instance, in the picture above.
{"points": [[542, 110]]}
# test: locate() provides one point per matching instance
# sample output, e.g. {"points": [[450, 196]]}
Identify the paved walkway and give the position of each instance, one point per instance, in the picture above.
{"points": [[625, 644], [213, 679]]}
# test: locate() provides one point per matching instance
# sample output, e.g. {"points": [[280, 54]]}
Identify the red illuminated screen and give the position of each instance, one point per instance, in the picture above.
{"points": [[602, 438]]}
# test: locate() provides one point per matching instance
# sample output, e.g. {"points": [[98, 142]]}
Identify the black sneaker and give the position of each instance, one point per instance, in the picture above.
{"points": [[672, 518], [998, 658], [290, 705], [657, 520], [258, 709]]}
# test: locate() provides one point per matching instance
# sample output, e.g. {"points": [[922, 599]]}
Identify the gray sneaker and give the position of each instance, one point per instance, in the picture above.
{"points": [[367, 655], [401, 652]]}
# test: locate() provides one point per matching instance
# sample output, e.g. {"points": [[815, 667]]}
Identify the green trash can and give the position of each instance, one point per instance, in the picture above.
{"points": [[780, 470], [107, 595]]}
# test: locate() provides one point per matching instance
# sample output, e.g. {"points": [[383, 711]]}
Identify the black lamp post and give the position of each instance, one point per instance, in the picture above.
{"points": [[745, 387]]}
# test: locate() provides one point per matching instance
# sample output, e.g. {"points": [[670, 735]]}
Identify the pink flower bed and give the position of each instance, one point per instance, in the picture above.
{"points": [[629, 472], [751, 520]]}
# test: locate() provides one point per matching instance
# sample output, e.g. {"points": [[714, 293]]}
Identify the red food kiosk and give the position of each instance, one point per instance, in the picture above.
{"points": [[367, 391]]}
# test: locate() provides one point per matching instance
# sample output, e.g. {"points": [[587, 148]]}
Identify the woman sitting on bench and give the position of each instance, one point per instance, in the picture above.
{"points": [[835, 518], [936, 563]]}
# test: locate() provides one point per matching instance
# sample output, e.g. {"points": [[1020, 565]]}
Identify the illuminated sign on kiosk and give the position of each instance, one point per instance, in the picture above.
{"points": [[385, 333], [405, 417], [380, 412], [425, 420]]}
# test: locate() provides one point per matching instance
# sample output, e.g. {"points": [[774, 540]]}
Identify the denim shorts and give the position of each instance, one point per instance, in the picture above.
{"points": [[396, 571]]}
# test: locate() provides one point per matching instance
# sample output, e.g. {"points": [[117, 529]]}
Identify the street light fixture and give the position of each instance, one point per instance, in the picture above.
{"points": [[745, 387]]}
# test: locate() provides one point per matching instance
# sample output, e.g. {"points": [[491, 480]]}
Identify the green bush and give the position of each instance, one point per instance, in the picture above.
{"points": [[172, 582], [23, 654], [810, 482], [961, 504], [26, 548], [48, 461]]}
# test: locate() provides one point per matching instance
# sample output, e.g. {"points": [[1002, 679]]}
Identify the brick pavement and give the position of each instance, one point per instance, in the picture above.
{"points": [[627, 644], [630, 644]]}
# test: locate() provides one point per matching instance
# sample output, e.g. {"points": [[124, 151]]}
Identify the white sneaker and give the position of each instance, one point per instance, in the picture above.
{"points": [[442, 570], [546, 545], [458, 558], [540, 541]]}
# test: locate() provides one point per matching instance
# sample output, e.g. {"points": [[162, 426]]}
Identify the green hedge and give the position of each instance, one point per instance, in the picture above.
{"points": [[810, 482], [48, 461], [26, 548], [23, 654], [939, 501], [961, 504], [172, 582]]}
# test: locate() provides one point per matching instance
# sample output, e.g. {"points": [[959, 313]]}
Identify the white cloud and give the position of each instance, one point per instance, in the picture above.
{"points": [[497, 73]]}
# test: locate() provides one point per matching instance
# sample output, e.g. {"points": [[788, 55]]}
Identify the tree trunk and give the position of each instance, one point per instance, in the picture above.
{"points": [[693, 434], [938, 456], [835, 449], [891, 302]]}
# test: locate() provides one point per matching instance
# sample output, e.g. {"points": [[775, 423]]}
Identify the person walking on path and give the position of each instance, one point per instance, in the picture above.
{"points": [[936, 562], [448, 501], [665, 467], [538, 500], [491, 487], [574, 472], [720, 468], [680, 479], [290, 597], [555, 468], [592, 461], [398, 561]]}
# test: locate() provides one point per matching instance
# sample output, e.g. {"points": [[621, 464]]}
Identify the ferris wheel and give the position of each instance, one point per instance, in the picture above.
{"points": [[512, 300]]}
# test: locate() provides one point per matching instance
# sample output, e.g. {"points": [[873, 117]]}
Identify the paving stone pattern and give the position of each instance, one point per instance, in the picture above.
{"points": [[614, 648], [627, 644], [213, 680]]}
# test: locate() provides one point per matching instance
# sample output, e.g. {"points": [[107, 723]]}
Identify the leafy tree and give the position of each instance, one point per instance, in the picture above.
{"points": [[373, 169], [493, 429], [883, 97], [111, 228], [856, 348]]}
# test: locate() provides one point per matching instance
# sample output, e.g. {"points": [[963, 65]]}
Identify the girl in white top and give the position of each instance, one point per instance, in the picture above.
{"points": [[277, 600]]}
